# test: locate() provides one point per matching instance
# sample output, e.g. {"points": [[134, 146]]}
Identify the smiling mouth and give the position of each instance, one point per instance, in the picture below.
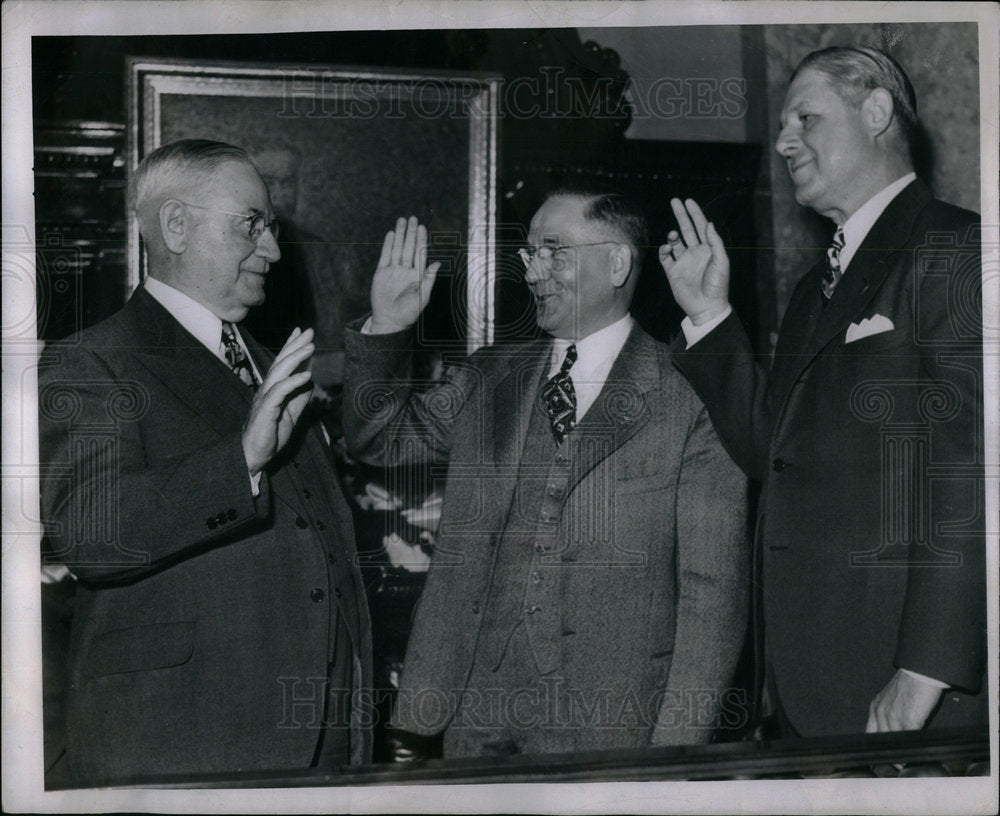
{"points": [[794, 168]]}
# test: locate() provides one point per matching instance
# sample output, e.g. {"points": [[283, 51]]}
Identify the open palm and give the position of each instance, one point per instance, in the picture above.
{"points": [[402, 283]]}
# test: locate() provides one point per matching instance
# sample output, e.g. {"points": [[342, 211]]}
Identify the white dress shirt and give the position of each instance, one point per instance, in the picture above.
{"points": [[203, 325], [595, 354], [856, 229]]}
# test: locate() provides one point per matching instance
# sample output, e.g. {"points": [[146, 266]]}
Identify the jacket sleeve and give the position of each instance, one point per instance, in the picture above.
{"points": [[111, 513], [943, 626], [723, 372], [389, 418], [713, 563]]}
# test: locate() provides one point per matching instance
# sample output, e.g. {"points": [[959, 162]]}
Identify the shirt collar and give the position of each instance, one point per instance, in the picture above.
{"points": [[857, 227], [593, 348], [205, 326]]}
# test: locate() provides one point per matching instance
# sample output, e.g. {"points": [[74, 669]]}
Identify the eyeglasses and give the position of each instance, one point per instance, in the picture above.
{"points": [[548, 254], [256, 223]]}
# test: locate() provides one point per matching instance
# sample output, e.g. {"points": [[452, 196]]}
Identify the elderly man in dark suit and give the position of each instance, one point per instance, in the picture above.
{"points": [[588, 589], [220, 621], [867, 433]]}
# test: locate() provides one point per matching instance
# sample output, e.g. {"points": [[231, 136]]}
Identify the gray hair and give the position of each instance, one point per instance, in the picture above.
{"points": [[184, 164], [614, 210], [857, 70]]}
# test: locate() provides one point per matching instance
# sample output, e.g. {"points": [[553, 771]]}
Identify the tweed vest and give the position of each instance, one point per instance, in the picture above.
{"points": [[524, 589]]}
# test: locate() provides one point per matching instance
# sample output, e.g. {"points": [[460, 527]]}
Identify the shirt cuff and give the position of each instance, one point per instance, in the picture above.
{"points": [[693, 333], [924, 678], [255, 483], [367, 327]]}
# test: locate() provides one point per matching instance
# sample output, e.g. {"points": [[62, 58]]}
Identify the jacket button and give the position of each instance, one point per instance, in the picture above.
{"points": [[317, 595], [561, 459], [536, 577], [338, 594], [306, 493], [231, 513], [554, 490], [211, 522], [778, 465], [475, 607], [493, 540], [333, 558], [547, 516], [531, 610], [301, 523]]}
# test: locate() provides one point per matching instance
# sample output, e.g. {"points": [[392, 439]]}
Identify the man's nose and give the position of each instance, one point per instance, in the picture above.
{"points": [[535, 272], [267, 247], [786, 142]]}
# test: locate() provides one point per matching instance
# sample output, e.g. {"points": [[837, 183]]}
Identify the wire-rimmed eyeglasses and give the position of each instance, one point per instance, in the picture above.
{"points": [[255, 219], [547, 253]]}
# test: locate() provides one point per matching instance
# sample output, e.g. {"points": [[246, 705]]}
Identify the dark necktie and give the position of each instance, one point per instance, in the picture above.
{"points": [[236, 357], [833, 272], [560, 398]]}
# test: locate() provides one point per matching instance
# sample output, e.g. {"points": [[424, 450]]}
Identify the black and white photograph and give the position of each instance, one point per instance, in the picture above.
{"points": [[556, 407]]}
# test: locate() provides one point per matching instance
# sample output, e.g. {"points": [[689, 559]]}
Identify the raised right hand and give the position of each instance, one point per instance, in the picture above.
{"points": [[279, 402], [698, 268], [402, 283]]}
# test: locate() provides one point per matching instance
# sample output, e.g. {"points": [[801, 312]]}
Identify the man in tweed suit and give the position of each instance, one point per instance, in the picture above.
{"points": [[220, 622], [588, 588]]}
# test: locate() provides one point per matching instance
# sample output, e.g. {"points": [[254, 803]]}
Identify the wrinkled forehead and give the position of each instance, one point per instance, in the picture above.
{"points": [[810, 87], [240, 184], [561, 220]]}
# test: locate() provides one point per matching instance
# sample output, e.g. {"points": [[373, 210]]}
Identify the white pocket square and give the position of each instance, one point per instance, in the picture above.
{"points": [[876, 324]]}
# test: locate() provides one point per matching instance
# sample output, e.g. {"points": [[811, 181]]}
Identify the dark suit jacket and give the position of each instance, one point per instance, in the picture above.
{"points": [[645, 579], [201, 611], [870, 453]]}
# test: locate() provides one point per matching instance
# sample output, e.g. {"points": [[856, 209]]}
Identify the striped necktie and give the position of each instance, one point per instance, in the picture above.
{"points": [[236, 357], [833, 273], [560, 398]]}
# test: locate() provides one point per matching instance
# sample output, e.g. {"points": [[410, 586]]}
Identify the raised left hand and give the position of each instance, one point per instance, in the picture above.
{"points": [[903, 705]]}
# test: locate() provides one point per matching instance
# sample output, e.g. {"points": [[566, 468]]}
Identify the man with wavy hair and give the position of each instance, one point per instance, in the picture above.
{"points": [[867, 431]]}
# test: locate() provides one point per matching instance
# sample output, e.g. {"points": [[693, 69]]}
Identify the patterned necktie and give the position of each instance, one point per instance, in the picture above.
{"points": [[236, 357], [560, 398], [833, 272]]}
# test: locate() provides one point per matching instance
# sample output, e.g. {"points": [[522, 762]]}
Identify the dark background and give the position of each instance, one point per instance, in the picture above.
{"points": [[79, 97]]}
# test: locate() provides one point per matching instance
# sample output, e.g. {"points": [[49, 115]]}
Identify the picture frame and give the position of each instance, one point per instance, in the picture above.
{"points": [[345, 151]]}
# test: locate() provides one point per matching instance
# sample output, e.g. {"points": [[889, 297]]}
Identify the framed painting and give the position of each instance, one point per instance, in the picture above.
{"points": [[344, 151]]}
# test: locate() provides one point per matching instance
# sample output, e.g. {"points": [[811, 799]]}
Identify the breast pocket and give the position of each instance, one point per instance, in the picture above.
{"points": [[141, 648]]}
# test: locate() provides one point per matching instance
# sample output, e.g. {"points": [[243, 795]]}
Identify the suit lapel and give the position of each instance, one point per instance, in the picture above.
{"points": [[871, 264], [514, 399], [797, 330], [186, 368], [621, 408]]}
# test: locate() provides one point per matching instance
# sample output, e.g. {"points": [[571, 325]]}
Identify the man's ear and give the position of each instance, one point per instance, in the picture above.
{"points": [[621, 265], [175, 225], [878, 111]]}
